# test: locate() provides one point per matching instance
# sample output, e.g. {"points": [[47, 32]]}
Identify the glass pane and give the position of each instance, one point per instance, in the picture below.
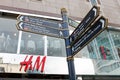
{"points": [[56, 47], [93, 2], [104, 46], [91, 49], [32, 44], [101, 47], [8, 36], [116, 39], [112, 65]]}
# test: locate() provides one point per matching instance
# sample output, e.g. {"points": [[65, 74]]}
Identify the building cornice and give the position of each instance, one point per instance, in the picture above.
{"points": [[55, 15]]}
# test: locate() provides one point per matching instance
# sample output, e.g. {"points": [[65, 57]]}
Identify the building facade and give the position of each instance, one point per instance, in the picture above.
{"points": [[17, 46], [76, 9]]}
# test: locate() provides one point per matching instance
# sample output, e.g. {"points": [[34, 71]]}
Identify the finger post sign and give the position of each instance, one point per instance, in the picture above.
{"points": [[95, 29], [89, 18], [41, 26]]}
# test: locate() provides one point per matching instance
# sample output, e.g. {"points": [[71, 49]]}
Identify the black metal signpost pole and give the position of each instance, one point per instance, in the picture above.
{"points": [[70, 59]]}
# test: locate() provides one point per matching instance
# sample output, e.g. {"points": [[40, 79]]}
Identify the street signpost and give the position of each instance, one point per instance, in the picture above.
{"points": [[90, 34], [70, 61], [82, 27], [40, 21], [85, 32], [72, 23], [43, 30]]}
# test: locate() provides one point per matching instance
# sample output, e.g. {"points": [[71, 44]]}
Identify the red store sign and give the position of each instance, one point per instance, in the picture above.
{"points": [[37, 65]]}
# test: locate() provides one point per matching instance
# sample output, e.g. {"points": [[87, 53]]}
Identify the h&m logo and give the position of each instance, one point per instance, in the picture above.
{"points": [[29, 66]]}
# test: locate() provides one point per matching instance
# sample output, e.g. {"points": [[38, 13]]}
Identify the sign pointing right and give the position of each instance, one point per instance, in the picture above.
{"points": [[90, 34], [85, 23]]}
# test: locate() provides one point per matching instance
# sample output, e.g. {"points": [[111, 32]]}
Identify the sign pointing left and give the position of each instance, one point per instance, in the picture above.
{"points": [[40, 21], [43, 30]]}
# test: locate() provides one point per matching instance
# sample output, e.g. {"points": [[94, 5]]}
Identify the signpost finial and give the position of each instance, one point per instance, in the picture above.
{"points": [[63, 10]]}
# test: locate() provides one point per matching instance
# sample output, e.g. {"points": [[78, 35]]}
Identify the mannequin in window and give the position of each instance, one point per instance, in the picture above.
{"points": [[31, 46], [2, 42], [8, 44]]}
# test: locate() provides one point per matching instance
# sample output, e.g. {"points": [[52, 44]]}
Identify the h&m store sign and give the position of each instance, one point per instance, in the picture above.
{"points": [[28, 64]]}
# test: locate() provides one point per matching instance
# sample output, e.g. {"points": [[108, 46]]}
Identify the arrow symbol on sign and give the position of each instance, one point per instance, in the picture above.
{"points": [[20, 25], [103, 22], [95, 11], [21, 18]]}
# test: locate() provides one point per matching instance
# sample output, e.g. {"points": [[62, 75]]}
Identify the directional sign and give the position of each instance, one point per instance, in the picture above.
{"points": [[72, 23], [40, 21], [24, 26], [90, 34], [89, 18]]}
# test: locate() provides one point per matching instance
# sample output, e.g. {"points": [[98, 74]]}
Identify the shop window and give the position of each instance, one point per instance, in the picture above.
{"points": [[95, 48], [8, 35], [56, 47], [94, 2], [32, 44], [105, 53], [116, 40], [91, 50]]}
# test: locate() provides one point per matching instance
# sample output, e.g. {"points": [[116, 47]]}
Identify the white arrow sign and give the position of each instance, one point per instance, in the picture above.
{"points": [[95, 29]]}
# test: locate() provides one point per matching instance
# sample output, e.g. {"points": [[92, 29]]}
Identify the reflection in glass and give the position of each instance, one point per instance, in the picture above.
{"points": [[32, 44], [116, 39], [8, 36], [93, 2], [109, 64], [56, 47], [104, 46], [91, 49], [101, 47]]}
